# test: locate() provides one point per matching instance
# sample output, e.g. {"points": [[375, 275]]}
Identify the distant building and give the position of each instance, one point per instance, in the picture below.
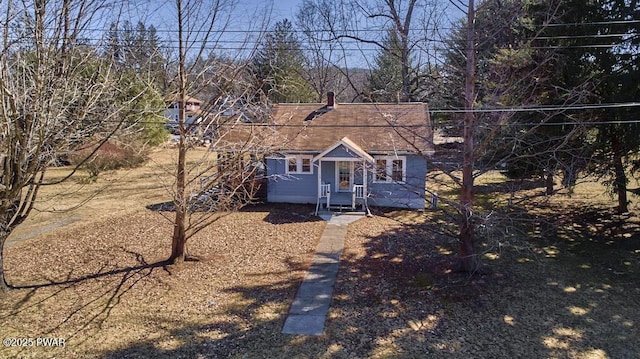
{"points": [[193, 112]]}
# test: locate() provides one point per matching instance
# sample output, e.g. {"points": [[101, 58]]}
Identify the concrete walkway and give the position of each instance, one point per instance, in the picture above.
{"points": [[311, 305]]}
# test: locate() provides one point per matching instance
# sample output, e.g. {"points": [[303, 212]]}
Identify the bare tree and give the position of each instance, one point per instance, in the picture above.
{"points": [[224, 176], [57, 96], [359, 26], [324, 60]]}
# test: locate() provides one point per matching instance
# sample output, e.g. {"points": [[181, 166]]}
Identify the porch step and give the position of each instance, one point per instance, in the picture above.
{"points": [[340, 207]]}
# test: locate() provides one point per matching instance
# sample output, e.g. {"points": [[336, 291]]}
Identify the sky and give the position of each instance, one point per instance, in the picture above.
{"points": [[162, 14], [284, 8], [163, 10]]}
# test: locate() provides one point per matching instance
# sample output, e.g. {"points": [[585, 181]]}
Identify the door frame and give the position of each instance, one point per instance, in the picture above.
{"points": [[351, 175]]}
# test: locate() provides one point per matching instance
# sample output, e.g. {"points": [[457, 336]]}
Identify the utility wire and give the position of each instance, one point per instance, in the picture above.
{"points": [[365, 30], [264, 109], [542, 108], [389, 126], [144, 43]]}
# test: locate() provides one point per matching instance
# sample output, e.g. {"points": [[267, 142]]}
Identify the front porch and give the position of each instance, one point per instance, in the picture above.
{"points": [[342, 201], [342, 177]]}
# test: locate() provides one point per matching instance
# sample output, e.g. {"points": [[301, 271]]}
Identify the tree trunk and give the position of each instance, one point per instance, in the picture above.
{"points": [[4, 286], [549, 181], [179, 240], [620, 181], [467, 254], [406, 89], [469, 262]]}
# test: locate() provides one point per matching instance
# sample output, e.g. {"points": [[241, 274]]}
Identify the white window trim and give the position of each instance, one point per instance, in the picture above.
{"points": [[351, 175], [389, 169], [299, 159]]}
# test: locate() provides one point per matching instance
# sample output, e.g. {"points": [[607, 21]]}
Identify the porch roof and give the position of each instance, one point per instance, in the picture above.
{"points": [[350, 145]]}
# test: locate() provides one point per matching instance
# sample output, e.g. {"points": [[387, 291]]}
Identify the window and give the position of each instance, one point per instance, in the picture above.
{"points": [[390, 169], [381, 170], [397, 170], [299, 164], [292, 165], [306, 165]]}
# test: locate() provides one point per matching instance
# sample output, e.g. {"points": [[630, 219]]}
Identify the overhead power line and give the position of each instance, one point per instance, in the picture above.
{"points": [[311, 124], [377, 29], [353, 47], [572, 107], [532, 108], [331, 31]]}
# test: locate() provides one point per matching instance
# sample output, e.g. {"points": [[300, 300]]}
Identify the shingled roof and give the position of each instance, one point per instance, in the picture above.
{"points": [[174, 97], [375, 127]]}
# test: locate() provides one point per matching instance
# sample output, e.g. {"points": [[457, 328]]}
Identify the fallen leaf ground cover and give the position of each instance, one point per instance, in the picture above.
{"points": [[104, 288], [569, 290]]}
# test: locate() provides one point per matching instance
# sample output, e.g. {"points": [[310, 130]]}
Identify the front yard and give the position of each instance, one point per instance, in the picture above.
{"points": [[102, 290], [100, 285]]}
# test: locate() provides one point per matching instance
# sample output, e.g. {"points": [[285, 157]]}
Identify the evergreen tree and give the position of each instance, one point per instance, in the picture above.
{"points": [[559, 56], [385, 81], [139, 49], [278, 66], [136, 54], [615, 57], [528, 71], [144, 109], [518, 68]]}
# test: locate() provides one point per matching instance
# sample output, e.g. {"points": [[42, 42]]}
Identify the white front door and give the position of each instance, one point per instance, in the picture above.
{"points": [[344, 174]]}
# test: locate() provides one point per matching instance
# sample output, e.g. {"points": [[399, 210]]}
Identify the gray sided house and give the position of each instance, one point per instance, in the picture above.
{"points": [[350, 155], [193, 111]]}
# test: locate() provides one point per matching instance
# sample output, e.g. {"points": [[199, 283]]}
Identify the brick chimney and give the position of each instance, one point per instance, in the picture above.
{"points": [[331, 100]]}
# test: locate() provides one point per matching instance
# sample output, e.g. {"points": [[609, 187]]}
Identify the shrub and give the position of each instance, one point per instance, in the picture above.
{"points": [[154, 132], [108, 157]]}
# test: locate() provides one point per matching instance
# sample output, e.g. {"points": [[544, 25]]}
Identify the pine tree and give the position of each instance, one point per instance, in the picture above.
{"points": [[136, 55], [615, 58], [385, 81], [278, 66], [139, 49]]}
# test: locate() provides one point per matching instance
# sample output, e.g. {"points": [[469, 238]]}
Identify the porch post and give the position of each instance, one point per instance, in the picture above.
{"points": [[364, 177], [319, 177], [364, 184], [319, 187]]}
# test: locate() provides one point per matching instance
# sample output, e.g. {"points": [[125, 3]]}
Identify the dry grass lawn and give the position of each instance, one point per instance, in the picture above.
{"points": [[565, 285]]}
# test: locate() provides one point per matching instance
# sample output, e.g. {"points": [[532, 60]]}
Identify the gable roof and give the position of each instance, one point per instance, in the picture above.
{"points": [[174, 97], [345, 141], [371, 127]]}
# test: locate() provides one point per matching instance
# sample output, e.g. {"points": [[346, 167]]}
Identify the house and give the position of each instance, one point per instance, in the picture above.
{"points": [[193, 111], [349, 155]]}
